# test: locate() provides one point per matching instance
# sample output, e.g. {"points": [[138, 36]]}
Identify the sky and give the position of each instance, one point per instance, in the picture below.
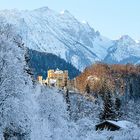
{"points": [[112, 18]]}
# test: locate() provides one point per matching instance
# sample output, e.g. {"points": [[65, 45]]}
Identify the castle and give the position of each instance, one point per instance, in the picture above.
{"points": [[56, 78]]}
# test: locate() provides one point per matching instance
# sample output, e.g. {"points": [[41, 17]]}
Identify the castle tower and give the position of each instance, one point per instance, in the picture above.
{"points": [[60, 77], [40, 79]]}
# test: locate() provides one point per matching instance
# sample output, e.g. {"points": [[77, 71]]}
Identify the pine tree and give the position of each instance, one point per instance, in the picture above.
{"points": [[67, 99], [108, 109], [117, 108]]}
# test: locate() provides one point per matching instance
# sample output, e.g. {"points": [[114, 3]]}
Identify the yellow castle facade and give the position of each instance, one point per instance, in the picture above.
{"points": [[56, 78]]}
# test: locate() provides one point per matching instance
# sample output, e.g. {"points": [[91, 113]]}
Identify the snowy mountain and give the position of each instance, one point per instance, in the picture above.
{"points": [[62, 34], [124, 50]]}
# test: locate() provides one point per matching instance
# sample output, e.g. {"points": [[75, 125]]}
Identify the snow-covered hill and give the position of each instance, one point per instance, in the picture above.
{"points": [[62, 34]]}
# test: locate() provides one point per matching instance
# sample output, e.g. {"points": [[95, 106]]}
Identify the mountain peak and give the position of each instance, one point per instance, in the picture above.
{"points": [[43, 9], [77, 42], [65, 12], [84, 22], [127, 39]]}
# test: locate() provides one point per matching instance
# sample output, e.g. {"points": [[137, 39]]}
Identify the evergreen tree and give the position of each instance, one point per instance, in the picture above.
{"points": [[117, 107], [67, 99], [108, 110]]}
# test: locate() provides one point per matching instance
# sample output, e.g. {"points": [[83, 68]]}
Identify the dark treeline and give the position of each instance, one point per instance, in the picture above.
{"points": [[41, 62]]}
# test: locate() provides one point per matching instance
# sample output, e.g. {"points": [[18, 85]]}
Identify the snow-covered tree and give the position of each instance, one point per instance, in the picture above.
{"points": [[14, 85]]}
